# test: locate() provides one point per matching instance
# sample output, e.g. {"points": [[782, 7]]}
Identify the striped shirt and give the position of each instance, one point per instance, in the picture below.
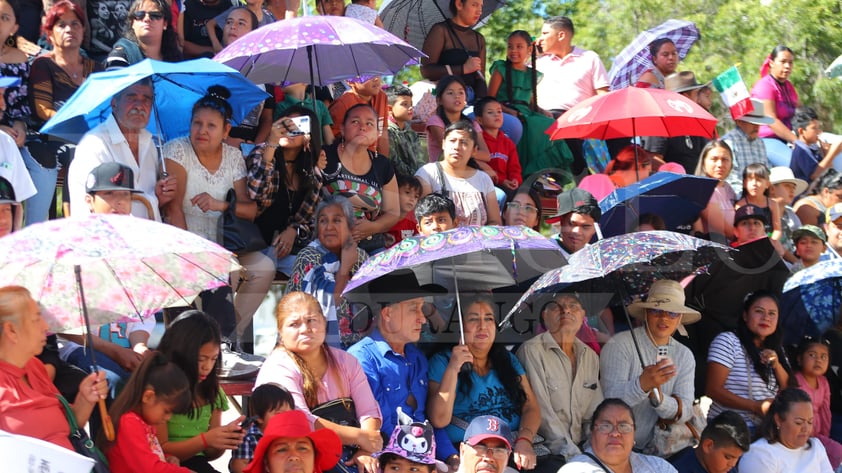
{"points": [[727, 351]]}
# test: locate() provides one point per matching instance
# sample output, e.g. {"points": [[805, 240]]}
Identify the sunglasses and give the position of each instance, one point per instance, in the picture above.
{"points": [[153, 15]]}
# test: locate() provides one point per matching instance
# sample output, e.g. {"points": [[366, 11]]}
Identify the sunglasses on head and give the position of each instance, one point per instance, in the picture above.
{"points": [[153, 15]]}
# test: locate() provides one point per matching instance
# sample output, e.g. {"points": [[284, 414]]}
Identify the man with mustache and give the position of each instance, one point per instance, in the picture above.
{"points": [[486, 447], [123, 138]]}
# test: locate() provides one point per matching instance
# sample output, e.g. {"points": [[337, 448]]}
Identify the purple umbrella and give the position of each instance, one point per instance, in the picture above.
{"points": [[318, 50], [473, 258], [635, 59]]}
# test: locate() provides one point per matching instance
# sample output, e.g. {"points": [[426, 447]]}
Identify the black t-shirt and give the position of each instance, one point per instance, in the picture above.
{"points": [[196, 14], [365, 192], [684, 150]]}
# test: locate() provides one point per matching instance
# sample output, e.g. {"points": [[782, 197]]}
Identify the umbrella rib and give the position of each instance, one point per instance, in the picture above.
{"points": [[155, 272], [123, 287]]}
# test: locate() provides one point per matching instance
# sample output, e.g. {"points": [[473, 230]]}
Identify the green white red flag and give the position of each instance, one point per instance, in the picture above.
{"points": [[734, 93]]}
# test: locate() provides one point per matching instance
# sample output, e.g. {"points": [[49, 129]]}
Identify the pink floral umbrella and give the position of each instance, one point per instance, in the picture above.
{"points": [[129, 268]]}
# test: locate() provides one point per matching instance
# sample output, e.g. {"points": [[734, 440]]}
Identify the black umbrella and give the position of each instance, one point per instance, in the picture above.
{"points": [[412, 20]]}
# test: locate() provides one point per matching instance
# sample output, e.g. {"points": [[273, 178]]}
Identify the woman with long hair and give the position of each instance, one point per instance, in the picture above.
{"points": [[148, 34]]}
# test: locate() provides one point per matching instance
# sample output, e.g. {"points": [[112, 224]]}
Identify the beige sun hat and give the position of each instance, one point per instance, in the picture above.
{"points": [[665, 295]]}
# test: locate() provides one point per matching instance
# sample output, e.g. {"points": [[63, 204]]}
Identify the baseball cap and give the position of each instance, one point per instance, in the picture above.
{"points": [[7, 192], [8, 81], [488, 427], [574, 200], [809, 230], [834, 212], [110, 177], [750, 211]]}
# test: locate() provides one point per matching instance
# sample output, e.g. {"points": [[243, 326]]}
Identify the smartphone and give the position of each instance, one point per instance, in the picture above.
{"points": [[247, 422], [303, 125], [663, 354]]}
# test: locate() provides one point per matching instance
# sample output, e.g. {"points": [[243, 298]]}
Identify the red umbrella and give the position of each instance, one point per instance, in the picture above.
{"points": [[633, 112]]}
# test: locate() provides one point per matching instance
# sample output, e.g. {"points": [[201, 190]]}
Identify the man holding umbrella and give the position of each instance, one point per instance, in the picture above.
{"points": [[123, 138], [396, 369]]}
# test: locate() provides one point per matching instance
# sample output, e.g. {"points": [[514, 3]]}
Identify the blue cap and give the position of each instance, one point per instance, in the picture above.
{"points": [[487, 427], [8, 81]]}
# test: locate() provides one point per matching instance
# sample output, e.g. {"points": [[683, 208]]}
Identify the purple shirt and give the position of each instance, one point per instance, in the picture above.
{"points": [[782, 94]]}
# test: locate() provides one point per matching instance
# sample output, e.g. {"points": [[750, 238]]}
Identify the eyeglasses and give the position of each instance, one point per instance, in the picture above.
{"points": [[153, 15], [663, 313], [482, 450], [530, 209], [608, 427]]}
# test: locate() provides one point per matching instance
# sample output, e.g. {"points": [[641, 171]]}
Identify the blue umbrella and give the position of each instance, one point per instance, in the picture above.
{"points": [[177, 87], [677, 198]]}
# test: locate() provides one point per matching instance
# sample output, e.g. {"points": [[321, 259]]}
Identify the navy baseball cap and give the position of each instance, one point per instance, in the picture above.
{"points": [[111, 176], [488, 427]]}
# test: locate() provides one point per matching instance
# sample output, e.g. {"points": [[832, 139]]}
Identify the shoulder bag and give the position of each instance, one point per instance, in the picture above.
{"points": [[81, 442], [238, 234]]}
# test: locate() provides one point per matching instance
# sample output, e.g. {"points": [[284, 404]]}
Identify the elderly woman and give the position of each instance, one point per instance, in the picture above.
{"points": [[564, 374], [716, 162], [787, 444], [319, 376], [456, 396], [324, 267], [747, 368], [366, 178], [289, 439], [777, 94], [53, 78], [664, 61], [663, 389], [29, 403], [612, 438], [148, 34], [524, 209], [811, 209], [205, 169]]}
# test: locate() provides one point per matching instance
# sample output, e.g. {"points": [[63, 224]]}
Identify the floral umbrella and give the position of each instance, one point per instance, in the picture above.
{"points": [[811, 300], [129, 267]]}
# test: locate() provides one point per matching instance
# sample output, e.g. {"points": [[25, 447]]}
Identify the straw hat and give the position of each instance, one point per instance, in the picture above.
{"points": [[665, 295], [781, 174]]}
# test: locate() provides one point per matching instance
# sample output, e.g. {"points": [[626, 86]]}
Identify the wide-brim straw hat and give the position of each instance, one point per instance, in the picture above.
{"points": [[665, 295]]}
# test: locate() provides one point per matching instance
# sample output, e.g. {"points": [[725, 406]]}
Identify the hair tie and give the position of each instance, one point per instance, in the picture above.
{"points": [[217, 96], [764, 68]]}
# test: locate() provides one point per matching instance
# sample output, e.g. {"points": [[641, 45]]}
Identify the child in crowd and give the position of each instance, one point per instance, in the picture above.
{"points": [[811, 156], [756, 185], [266, 401], [156, 390], [435, 213], [296, 94], [452, 97], [192, 341], [749, 224], [411, 448], [810, 243], [514, 83], [409, 190], [364, 10], [813, 357], [723, 442], [785, 186], [367, 91], [504, 163], [404, 145], [471, 190]]}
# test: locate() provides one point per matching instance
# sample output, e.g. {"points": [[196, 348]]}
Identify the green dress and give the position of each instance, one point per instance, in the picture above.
{"points": [[535, 149]]}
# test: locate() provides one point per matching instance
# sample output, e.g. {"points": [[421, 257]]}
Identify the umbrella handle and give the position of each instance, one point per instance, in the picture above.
{"points": [[107, 424]]}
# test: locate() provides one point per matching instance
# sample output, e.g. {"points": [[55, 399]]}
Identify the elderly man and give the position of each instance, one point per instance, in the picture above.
{"points": [[123, 138], [746, 144], [396, 369], [486, 447], [571, 74]]}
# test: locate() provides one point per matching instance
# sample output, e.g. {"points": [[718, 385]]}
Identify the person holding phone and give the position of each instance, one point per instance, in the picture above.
{"points": [[663, 389]]}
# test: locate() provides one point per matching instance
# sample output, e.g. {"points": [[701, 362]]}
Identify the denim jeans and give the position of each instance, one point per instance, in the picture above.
{"points": [[38, 206]]}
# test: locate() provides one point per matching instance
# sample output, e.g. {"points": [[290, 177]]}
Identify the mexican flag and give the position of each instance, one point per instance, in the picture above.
{"points": [[733, 90]]}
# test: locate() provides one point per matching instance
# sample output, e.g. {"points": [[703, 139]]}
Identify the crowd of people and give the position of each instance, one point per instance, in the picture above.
{"points": [[587, 391]]}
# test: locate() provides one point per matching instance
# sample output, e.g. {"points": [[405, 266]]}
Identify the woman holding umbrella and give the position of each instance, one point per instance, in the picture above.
{"points": [[457, 395], [664, 61], [663, 389], [54, 77], [29, 403]]}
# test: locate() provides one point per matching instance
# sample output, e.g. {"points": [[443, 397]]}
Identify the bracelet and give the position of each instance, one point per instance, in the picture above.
{"points": [[266, 144], [204, 441], [523, 438]]}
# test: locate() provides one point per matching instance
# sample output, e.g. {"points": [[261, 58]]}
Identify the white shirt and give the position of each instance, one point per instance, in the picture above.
{"points": [[570, 79], [14, 170], [106, 143], [764, 457]]}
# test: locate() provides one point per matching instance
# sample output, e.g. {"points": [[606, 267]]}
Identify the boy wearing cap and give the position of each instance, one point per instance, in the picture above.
{"points": [[745, 143], [833, 228], [109, 188], [785, 186], [578, 214], [486, 446], [810, 243], [749, 224], [664, 388], [10, 214]]}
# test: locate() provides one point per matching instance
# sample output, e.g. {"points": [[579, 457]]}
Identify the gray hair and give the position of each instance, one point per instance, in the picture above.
{"points": [[337, 201], [13, 304]]}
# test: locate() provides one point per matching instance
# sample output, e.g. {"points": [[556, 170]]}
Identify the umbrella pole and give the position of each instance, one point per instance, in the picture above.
{"points": [[107, 425], [634, 139], [622, 294], [159, 145], [468, 366]]}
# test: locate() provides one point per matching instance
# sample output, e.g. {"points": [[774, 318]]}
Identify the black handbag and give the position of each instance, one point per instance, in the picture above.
{"points": [[239, 235], [340, 411], [81, 442]]}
